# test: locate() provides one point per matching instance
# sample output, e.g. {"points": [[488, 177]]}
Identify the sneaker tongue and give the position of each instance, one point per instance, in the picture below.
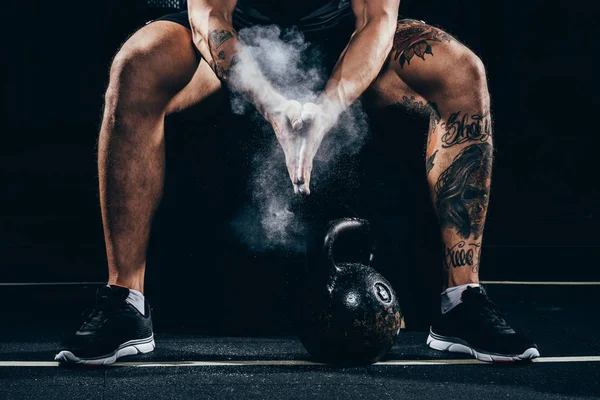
{"points": [[499, 324], [479, 290], [112, 294]]}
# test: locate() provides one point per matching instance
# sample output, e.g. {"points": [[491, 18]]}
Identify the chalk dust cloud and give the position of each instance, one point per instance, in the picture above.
{"points": [[294, 68]]}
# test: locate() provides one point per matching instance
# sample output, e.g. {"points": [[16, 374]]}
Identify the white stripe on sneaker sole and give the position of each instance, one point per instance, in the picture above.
{"points": [[453, 345], [130, 348]]}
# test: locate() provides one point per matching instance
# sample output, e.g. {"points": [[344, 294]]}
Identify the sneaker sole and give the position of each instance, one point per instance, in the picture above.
{"points": [[130, 348], [455, 345]]}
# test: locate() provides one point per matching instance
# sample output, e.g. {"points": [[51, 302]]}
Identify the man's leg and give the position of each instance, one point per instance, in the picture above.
{"points": [[431, 72], [155, 72], [441, 77]]}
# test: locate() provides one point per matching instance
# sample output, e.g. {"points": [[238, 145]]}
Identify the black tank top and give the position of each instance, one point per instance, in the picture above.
{"points": [[307, 15]]}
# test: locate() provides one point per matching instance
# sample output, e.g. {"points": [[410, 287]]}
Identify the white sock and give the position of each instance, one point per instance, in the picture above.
{"points": [[136, 299], [451, 297]]}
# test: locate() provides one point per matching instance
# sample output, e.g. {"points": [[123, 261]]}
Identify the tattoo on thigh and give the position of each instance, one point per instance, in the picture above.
{"points": [[435, 113], [411, 39], [462, 191], [462, 254], [429, 166], [219, 36], [434, 120], [418, 107], [459, 130]]}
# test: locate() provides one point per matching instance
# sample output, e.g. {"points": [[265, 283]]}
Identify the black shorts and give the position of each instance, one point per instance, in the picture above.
{"points": [[331, 41]]}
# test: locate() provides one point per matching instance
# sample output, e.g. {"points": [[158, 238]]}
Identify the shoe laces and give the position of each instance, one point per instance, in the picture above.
{"points": [[93, 318], [490, 311]]}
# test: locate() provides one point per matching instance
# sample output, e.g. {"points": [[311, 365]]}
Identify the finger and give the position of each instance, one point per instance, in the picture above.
{"points": [[291, 162], [308, 112], [300, 157], [294, 114], [307, 116], [305, 162], [303, 190], [293, 171]]}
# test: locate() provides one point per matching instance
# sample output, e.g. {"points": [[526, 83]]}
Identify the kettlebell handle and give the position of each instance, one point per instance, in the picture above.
{"points": [[346, 226]]}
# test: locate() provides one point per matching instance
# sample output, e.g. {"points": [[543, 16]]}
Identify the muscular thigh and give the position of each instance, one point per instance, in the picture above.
{"points": [[160, 62], [423, 61]]}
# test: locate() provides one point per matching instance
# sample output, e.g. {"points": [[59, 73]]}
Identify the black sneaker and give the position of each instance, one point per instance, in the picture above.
{"points": [[112, 330], [477, 327]]}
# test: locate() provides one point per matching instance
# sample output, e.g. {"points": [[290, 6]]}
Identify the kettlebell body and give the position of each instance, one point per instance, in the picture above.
{"points": [[353, 316]]}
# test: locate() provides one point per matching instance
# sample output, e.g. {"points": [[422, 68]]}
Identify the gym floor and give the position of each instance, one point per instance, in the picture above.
{"points": [[543, 226], [561, 318]]}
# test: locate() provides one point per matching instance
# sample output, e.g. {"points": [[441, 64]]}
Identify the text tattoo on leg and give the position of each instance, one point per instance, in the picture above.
{"points": [[461, 129], [411, 39], [462, 191], [463, 255]]}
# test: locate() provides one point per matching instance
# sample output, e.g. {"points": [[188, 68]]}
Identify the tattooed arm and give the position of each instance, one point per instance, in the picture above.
{"points": [[217, 41]]}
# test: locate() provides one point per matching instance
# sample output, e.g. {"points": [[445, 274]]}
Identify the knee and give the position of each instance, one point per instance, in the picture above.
{"points": [[469, 69], [131, 87], [124, 67], [474, 68]]}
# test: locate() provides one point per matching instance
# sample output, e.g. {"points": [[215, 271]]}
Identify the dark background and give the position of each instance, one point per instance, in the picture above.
{"points": [[543, 218]]}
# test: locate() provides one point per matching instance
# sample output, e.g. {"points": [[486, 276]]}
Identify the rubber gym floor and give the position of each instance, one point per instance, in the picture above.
{"points": [[562, 318]]}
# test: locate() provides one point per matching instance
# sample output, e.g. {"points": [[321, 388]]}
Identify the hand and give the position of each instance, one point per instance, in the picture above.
{"points": [[316, 123], [286, 120], [300, 130]]}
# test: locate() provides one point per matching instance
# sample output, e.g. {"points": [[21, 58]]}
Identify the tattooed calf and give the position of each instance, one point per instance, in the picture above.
{"points": [[462, 191], [411, 40], [418, 107], [461, 255], [461, 130], [430, 163]]}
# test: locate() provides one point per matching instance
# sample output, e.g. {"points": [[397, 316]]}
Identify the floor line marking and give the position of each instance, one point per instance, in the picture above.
{"points": [[572, 359], [49, 283], [556, 283]]}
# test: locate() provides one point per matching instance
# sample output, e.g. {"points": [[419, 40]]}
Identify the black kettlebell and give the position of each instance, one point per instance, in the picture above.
{"points": [[352, 316]]}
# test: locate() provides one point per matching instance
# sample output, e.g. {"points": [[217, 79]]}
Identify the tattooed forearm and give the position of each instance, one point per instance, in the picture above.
{"points": [[462, 191], [222, 60], [430, 164], [217, 37], [464, 129], [462, 255], [411, 39], [223, 70]]}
